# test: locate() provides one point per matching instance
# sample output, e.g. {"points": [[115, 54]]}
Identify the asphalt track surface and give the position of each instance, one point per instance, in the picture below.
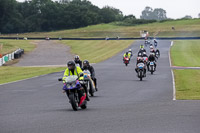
{"points": [[123, 104], [46, 53]]}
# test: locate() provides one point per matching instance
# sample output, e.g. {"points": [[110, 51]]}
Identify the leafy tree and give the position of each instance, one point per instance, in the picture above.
{"points": [[156, 14], [187, 17]]}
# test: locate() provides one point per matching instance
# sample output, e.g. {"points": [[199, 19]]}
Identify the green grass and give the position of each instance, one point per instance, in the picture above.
{"points": [[183, 28], [187, 84], [97, 51], [11, 45], [186, 53], [9, 74]]}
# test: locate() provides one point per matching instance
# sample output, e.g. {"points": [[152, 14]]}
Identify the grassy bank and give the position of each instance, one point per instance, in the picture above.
{"points": [[11, 45], [9, 74], [182, 28], [186, 53], [187, 84], [97, 51]]}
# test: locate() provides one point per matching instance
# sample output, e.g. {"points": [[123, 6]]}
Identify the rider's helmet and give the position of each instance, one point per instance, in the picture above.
{"points": [[86, 63], [71, 65], [126, 53], [76, 58], [140, 54], [129, 50], [151, 47], [141, 46]]}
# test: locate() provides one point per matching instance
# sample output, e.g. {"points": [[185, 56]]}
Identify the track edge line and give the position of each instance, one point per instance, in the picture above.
{"points": [[173, 80]]}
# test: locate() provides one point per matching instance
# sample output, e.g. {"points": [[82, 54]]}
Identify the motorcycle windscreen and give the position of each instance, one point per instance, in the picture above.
{"points": [[71, 78]]}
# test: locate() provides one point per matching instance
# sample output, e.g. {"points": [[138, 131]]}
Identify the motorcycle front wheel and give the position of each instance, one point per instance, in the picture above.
{"points": [[73, 101]]}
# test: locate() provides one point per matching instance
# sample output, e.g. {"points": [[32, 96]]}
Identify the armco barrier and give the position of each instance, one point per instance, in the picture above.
{"points": [[139, 38]]}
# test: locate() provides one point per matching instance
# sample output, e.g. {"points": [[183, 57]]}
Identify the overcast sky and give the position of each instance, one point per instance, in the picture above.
{"points": [[175, 8]]}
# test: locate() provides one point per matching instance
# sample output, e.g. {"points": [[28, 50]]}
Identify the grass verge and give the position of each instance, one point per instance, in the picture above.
{"points": [[10, 74], [11, 45], [182, 28], [186, 53], [97, 51], [187, 84]]}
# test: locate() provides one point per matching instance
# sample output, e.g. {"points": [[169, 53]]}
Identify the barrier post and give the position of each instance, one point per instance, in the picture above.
{"points": [[1, 62]]}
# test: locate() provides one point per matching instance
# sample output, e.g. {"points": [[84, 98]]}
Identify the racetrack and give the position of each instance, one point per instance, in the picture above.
{"points": [[123, 103]]}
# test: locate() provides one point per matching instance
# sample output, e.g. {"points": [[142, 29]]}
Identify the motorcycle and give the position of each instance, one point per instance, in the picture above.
{"points": [[155, 44], [157, 53], [126, 61], [72, 87], [140, 71], [152, 67], [89, 83]]}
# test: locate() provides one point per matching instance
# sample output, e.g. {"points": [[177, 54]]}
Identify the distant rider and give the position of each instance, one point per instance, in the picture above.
{"points": [[145, 57], [78, 61], [142, 50], [155, 42], [130, 52], [87, 66], [126, 55], [151, 59], [152, 50]]}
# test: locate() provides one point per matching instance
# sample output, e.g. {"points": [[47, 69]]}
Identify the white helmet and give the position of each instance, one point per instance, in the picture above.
{"points": [[129, 50], [151, 47]]}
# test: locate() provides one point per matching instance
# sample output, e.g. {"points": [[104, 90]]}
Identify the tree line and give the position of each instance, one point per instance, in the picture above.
{"points": [[47, 15]]}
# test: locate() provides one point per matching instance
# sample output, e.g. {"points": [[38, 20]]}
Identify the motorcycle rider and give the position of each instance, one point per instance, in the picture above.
{"points": [[139, 57], [141, 46], [126, 55], [72, 69], [151, 59], [142, 50], [78, 61], [155, 42], [152, 50], [87, 66], [157, 51], [140, 60], [130, 52], [145, 57]]}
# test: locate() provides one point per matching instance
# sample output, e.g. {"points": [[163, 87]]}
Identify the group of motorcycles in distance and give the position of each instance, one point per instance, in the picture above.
{"points": [[144, 62]]}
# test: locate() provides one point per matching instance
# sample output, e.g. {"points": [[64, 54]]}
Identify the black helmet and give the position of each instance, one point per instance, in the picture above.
{"points": [[126, 52], [86, 64], [71, 65]]}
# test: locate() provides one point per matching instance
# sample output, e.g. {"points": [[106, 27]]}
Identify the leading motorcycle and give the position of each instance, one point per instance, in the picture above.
{"points": [[72, 88]]}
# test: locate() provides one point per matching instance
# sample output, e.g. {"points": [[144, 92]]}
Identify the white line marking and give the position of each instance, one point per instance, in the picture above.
{"points": [[174, 87], [173, 80]]}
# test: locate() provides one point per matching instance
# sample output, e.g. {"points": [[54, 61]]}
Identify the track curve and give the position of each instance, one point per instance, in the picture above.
{"points": [[123, 103]]}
